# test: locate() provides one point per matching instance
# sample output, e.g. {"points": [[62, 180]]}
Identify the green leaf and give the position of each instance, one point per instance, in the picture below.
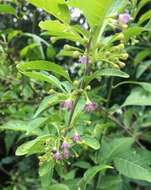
{"points": [[24, 126], [138, 97], [133, 31], [110, 183], [113, 148], [91, 142], [141, 56], [82, 164], [61, 30], [95, 11], [58, 187], [46, 173], [57, 8], [106, 72], [49, 101], [144, 17], [44, 65], [140, 5], [142, 68], [45, 78], [7, 9], [33, 146], [145, 85], [90, 173], [133, 166]]}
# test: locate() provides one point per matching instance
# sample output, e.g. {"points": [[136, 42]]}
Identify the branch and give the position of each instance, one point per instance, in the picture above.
{"points": [[116, 121]]}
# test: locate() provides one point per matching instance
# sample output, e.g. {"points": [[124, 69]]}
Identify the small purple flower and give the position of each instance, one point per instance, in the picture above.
{"points": [[90, 107], [57, 156], [76, 137], [66, 153], [124, 18], [65, 145], [68, 104], [83, 60]]}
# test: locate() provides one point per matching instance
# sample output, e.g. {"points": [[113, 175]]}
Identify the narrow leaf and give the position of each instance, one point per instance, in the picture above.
{"points": [[44, 65]]}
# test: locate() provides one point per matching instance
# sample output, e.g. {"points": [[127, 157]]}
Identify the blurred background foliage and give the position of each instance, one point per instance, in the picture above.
{"points": [[22, 40]]}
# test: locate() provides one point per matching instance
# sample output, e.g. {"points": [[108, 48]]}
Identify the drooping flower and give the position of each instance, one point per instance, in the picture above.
{"points": [[66, 153], [90, 107], [124, 18], [76, 137], [57, 156], [83, 60], [65, 145], [67, 104]]}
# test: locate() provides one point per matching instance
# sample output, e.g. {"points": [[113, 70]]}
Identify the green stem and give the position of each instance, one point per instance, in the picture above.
{"points": [[81, 86], [110, 92]]}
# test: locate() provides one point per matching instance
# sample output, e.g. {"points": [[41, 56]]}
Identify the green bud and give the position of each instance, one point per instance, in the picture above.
{"points": [[89, 122], [118, 47], [76, 82], [67, 47], [124, 56], [124, 26], [86, 41], [99, 45], [115, 66], [107, 53], [53, 39], [120, 36], [121, 46], [76, 54], [88, 87], [121, 64]]}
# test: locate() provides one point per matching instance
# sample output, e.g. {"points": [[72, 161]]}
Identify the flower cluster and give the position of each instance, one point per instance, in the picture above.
{"points": [[64, 152]]}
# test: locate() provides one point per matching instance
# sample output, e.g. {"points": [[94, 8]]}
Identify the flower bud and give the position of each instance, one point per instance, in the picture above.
{"points": [[83, 60], [76, 82], [121, 46], [65, 145], [76, 54], [124, 18], [107, 54], [66, 153], [99, 45], [86, 41], [120, 36], [88, 87], [76, 137], [124, 56], [67, 104], [115, 66], [53, 39], [67, 47], [57, 156], [121, 64], [90, 107]]}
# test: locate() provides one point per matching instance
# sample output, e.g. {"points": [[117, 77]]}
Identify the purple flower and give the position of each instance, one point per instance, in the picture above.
{"points": [[76, 137], [83, 60], [66, 153], [124, 18], [90, 107], [57, 156], [68, 104], [65, 145]]}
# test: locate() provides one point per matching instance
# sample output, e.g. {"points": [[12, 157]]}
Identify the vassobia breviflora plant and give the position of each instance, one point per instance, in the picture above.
{"points": [[97, 48]]}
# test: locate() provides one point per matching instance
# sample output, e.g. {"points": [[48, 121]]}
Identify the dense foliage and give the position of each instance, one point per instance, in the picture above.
{"points": [[75, 95]]}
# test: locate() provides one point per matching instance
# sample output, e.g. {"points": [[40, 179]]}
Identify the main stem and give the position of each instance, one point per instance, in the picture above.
{"points": [[81, 85]]}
